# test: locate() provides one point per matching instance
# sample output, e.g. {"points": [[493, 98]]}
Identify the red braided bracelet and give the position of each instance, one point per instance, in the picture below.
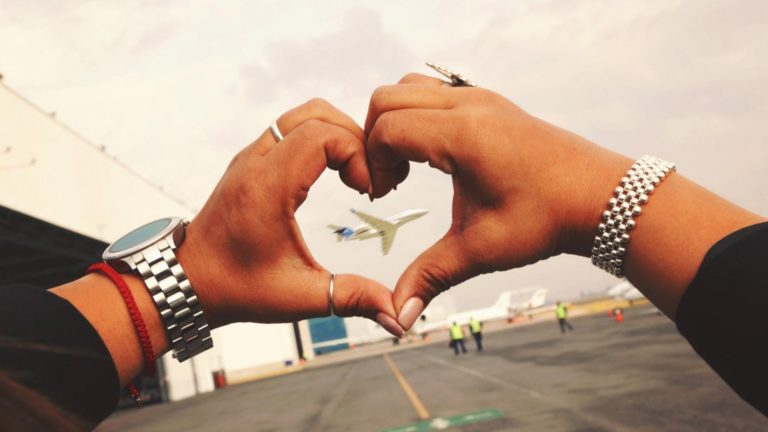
{"points": [[138, 321]]}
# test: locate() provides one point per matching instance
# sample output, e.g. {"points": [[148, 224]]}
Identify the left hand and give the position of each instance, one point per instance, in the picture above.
{"points": [[244, 252]]}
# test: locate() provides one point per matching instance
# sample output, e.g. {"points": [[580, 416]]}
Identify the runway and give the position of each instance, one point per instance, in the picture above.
{"points": [[637, 376]]}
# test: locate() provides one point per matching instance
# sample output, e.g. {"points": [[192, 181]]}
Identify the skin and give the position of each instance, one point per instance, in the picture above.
{"points": [[244, 253], [525, 190]]}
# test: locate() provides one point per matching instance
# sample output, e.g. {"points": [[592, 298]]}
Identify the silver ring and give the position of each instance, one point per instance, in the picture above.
{"points": [[276, 131], [330, 297], [456, 79]]}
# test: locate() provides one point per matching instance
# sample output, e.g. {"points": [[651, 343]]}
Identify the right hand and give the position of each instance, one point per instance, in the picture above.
{"points": [[244, 251], [524, 190]]}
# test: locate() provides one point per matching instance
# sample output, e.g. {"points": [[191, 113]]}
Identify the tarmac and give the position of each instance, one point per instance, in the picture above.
{"points": [[640, 375]]}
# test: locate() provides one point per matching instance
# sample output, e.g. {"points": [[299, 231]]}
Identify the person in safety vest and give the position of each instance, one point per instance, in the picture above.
{"points": [[562, 314], [476, 328], [457, 339]]}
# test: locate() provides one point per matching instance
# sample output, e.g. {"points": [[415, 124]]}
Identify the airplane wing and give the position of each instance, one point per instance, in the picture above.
{"points": [[387, 229]]}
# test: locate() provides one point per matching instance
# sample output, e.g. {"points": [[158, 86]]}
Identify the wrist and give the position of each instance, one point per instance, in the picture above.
{"points": [[601, 171], [201, 271]]}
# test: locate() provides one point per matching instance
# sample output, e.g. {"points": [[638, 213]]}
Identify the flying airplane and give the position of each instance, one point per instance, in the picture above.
{"points": [[508, 305], [375, 227]]}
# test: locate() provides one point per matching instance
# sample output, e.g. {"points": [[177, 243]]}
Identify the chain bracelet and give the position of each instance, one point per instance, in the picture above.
{"points": [[612, 239]]}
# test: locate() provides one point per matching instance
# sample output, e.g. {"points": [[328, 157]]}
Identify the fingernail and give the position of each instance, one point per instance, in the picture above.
{"points": [[370, 192], [410, 312], [390, 324]]}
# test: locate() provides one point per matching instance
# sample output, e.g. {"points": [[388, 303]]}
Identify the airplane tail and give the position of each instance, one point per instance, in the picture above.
{"points": [[504, 300], [341, 232]]}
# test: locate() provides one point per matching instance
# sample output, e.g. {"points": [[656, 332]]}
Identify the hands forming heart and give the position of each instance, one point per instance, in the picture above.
{"points": [[511, 206]]}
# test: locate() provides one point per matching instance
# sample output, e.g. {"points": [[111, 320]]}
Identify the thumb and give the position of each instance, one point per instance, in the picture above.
{"points": [[436, 270], [355, 295]]}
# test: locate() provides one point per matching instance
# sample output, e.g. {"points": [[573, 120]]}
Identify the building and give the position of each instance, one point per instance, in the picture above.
{"points": [[62, 199]]}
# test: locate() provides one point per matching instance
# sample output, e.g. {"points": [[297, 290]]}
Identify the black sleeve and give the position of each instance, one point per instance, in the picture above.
{"points": [[724, 313], [50, 349]]}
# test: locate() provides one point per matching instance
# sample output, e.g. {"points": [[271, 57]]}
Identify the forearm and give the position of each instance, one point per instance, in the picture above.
{"points": [[99, 301], [678, 225]]}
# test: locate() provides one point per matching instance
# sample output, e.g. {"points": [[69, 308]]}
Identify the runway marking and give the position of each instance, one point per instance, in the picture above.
{"points": [[421, 410], [531, 393]]}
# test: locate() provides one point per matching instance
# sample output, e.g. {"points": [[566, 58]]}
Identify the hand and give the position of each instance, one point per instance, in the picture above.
{"points": [[244, 252], [524, 190]]}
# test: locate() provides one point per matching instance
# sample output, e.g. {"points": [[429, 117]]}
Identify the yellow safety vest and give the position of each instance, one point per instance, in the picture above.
{"points": [[456, 332], [475, 326], [561, 312]]}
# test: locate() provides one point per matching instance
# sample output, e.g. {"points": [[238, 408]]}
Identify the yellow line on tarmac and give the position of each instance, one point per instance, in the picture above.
{"points": [[421, 410]]}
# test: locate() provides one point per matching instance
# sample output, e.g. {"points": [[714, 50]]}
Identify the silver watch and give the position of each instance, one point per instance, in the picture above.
{"points": [[149, 251]]}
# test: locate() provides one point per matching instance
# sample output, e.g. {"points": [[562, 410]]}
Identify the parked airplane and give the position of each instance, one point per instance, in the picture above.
{"points": [[375, 227], [508, 305], [624, 290]]}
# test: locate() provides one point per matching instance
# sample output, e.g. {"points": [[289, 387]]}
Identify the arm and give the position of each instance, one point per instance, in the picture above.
{"points": [[244, 253], [526, 190]]}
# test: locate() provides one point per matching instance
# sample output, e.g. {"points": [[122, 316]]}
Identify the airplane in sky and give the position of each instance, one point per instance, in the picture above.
{"points": [[377, 228], [508, 305]]}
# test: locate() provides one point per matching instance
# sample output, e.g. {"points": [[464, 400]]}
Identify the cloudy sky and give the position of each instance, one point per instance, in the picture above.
{"points": [[174, 90]]}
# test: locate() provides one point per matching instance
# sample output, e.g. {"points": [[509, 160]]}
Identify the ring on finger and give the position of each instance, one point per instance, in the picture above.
{"points": [[456, 79], [332, 312], [276, 131]]}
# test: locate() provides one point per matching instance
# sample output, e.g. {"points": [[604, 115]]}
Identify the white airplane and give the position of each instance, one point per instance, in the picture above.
{"points": [[508, 305], [624, 290], [375, 227]]}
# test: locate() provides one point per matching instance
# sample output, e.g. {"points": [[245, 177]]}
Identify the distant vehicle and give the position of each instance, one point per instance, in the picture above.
{"points": [[377, 228], [508, 305], [625, 291]]}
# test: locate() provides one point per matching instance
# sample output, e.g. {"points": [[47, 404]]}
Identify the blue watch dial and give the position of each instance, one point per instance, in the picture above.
{"points": [[139, 235]]}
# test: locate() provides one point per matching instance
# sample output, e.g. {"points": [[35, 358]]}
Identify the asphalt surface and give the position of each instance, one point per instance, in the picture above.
{"points": [[639, 375]]}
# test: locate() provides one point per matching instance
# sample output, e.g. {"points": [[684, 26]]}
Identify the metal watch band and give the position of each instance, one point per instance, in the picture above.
{"points": [[612, 239], [179, 308]]}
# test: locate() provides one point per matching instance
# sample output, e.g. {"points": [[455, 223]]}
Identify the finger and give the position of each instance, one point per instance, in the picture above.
{"points": [[408, 135], [436, 270], [407, 96], [311, 147], [316, 108], [307, 294], [417, 78], [358, 296]]}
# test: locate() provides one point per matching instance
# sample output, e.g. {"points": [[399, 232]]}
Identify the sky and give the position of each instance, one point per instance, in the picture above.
{"points": [[175, 89]]}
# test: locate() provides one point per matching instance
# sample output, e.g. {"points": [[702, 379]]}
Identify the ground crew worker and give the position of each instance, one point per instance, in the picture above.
{"points": [[457, 339], [476, 328], [562, 313]]}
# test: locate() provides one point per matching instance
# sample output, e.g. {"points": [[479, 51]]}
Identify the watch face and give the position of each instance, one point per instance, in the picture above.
{"points": [[139, 236]]}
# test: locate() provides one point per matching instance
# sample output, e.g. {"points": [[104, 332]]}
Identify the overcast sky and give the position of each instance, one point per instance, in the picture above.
{"points": [[175, 90]]}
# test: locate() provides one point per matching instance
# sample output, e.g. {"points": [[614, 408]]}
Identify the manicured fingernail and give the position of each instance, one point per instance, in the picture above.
{"points": [[410, 312], [390, 324], [370, 192]]}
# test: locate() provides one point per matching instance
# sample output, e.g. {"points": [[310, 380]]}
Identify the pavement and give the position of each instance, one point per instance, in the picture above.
{"points": [[637, 376]]}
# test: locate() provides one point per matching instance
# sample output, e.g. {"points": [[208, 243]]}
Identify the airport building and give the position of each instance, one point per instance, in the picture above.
{"points": [[63, 199]]}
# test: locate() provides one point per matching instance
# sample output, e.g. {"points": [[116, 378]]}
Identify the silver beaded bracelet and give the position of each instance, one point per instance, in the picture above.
{"points": [[612, 237]]}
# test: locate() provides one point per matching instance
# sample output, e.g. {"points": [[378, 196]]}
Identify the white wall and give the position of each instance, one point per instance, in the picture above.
{"points": [[75, 185]]}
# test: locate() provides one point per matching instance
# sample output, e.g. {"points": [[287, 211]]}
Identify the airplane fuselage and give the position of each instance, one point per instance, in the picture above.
{"points": [[374, 227], [365, 231]]}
